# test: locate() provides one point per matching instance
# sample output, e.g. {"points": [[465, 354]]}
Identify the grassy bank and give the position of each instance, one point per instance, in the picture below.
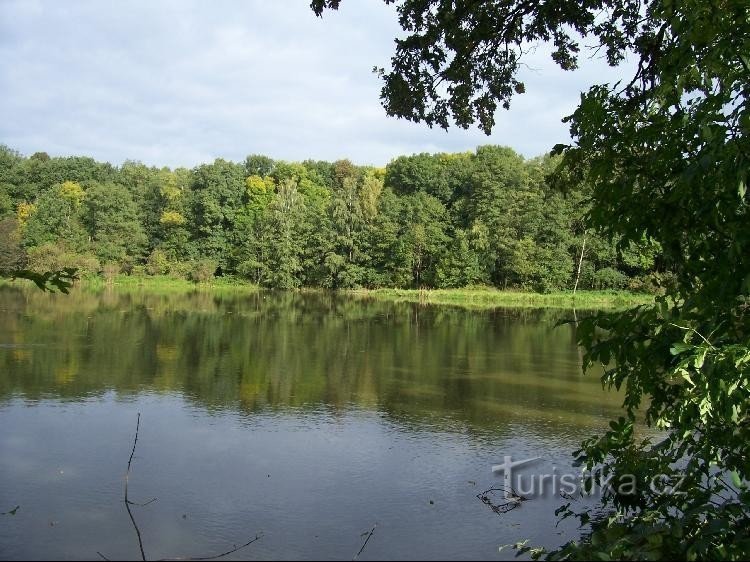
{"points": [[470, 297], [160, 284], [486, 297], [165, 284]]}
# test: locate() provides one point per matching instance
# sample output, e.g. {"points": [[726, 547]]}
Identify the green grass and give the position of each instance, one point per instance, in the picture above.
{"points": [[165, 284], [487, 297], [158, 284], [469, 297]]}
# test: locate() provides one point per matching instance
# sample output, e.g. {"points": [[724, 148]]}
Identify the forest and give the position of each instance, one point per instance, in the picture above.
{"points": [[488, 217]]}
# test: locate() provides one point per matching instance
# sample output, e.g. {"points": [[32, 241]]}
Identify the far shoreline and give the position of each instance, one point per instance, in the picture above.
{"points": [[467, 297]]}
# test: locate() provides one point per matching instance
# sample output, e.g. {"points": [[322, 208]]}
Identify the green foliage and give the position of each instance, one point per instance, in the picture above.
{"points": [[6, 200], [219, 193], [460, 265], [664, 158], [440, 175], [259, 165], [609, 278], [284, 253], [346, 225], [203, 270], [427, 220], [111, 219], [55, 217], [676, 150], [109, 271], [60, 280], [12, 254], [56, 256], [158, 263]]}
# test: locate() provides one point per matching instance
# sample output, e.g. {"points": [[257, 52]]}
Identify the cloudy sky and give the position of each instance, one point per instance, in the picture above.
{"points": [[178, 82]]}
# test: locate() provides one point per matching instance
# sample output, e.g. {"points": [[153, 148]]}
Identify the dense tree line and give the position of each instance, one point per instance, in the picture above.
{"points": [[426, 220]]}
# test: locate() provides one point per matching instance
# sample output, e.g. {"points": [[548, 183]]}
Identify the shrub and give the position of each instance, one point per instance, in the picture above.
{"points": [[203, 270], [180, 269], [44, 258], [55, 256], [157, 263], [653, 283], [609, 278], [109, 271], [86, 265], [12, 254], [138, 271]]}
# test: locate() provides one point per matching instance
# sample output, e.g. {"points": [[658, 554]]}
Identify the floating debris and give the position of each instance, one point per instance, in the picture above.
{"points": [[510, 499]]}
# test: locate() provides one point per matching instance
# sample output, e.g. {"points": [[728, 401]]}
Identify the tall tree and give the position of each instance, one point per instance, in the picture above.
{"points": [[259, 165], [57, 217], [218, 197], [346, 223], [253, 231], [111, 219], [284, 253]]}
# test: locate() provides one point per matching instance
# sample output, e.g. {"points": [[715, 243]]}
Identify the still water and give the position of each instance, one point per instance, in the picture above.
{"points": [[307, 418]]}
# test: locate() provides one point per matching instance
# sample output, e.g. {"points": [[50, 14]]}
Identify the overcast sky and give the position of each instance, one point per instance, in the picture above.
{"points": [[178, 83]]}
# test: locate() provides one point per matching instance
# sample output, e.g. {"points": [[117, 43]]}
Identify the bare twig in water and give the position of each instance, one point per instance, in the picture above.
{"points": [[366, 541], [227, 553], [152, 500], [512, 499], [127, 501], [11, 511]]}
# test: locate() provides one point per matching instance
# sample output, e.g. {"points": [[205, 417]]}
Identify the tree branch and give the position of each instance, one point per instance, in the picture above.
{"points": [[127, 501], [369, 535]]}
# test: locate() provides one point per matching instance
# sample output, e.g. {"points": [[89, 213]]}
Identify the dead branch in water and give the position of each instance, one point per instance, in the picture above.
{"points": [[512, 499], [227, 553], [128, 503], [366, 541], [152, 500]]}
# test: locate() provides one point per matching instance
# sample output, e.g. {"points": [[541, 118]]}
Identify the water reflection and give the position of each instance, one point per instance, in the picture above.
{"points": [[281, 350], [307, 416]]}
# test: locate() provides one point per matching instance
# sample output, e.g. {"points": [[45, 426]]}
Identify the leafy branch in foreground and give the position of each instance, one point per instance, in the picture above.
{"points": [[51, 280], [666, 156]]}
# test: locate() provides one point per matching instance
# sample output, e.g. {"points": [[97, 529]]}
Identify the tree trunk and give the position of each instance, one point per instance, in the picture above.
{"points": [[580, 262]]}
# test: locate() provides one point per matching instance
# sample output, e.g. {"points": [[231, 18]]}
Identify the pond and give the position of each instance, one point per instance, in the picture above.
{"points": [[307, 419]]}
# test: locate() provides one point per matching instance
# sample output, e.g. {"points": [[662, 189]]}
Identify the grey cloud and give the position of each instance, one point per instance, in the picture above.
{"points": [[181, 82]]}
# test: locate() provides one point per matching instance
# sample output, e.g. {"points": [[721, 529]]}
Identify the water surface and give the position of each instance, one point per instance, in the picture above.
{"points": [[309, 418]]}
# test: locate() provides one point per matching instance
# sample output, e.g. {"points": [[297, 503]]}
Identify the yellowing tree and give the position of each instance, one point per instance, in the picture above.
{"points": [[24, 212], [172, 218], [72, 191]]}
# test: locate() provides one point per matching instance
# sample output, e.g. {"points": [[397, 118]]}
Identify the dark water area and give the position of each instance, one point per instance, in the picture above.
{"points": [[308, 418]]}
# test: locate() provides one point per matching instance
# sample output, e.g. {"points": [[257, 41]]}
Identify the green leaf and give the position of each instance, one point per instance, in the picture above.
{"points": [[680, 347], [736, 480], [700, 358]]}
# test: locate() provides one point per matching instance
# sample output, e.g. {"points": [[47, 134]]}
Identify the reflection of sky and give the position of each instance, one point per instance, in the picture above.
{"points": [[312, 481], [179, 83]]}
